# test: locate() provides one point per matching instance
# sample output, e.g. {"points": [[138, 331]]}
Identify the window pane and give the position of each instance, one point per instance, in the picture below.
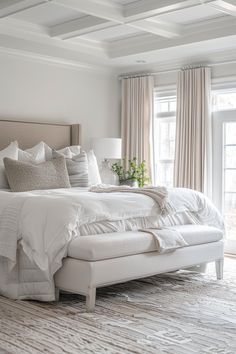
{"points": [[230, 156], [164, 173], [230, 203], [165, 139], [230, 132], [172, 107], [230, 223], [165, 104], [223, 100], [230, 180]]}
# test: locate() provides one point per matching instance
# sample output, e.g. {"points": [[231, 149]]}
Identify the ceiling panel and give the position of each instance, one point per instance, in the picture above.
{"points": [[124, 2], [190, 15], [48, 15], [112, 33]]}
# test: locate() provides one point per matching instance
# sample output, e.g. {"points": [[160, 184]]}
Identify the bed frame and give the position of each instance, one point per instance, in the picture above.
{"points": [[83, 277]]}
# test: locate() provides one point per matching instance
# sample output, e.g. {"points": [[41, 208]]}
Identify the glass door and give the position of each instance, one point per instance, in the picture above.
{"points": [[224, 172], [229, 183]]}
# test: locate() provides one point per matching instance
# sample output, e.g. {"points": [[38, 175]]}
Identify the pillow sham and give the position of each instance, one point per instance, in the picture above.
{"points": [[93, 170], [10, 151], [34, 155], [77, 168], [24, 176]]}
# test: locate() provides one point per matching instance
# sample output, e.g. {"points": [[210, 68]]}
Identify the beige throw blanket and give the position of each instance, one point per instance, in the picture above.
{"points": [[167, 240], [158, 194]]}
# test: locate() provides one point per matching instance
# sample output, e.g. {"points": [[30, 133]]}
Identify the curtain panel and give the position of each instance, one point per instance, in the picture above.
{"points": [[136, 118], [193, 130]]}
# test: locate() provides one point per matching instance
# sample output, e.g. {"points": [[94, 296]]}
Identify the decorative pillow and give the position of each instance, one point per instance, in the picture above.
{"points": [[34, 155], [10, 151], [93, 170], [24, 176], [77, 168], [67, 152]]}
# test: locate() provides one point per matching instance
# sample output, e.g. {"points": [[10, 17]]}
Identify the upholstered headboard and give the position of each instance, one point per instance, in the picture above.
{"points": [[30, 133]]}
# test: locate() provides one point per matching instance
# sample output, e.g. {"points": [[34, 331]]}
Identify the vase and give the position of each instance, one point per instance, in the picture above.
{"points": [[129, 182]]}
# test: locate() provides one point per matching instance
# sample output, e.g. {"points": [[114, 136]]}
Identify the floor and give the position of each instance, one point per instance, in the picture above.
{"points": [[175, 313]]}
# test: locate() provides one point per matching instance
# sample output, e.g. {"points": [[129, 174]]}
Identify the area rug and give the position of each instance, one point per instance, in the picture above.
{"points": [[175, 313]]}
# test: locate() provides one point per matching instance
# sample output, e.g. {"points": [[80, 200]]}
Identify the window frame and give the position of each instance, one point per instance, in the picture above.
{"points": [[168, 116]]}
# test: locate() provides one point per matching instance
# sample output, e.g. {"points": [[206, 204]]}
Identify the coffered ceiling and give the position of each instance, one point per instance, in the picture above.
{"points": [[118, 34]]}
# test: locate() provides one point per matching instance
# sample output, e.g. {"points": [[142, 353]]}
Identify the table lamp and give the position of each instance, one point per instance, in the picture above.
{"points": [[106, 149]]}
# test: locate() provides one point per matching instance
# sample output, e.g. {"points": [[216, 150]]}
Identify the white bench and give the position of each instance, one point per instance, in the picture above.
{"points": [[101, 260]]}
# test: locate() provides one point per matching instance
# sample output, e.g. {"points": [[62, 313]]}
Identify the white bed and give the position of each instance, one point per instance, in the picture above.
{"points": [[76, 240]]}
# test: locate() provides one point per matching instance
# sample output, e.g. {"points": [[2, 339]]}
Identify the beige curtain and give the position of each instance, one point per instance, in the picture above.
{"points": [[193, 130], [136, 118]]}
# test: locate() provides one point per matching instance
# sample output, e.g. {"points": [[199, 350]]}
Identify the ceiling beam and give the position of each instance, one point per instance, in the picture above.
{"points": [[10, 7], [228, 7], [156, 27], [99, 8]]}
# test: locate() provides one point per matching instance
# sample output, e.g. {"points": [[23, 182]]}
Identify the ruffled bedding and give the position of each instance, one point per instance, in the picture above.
{"points": [[36, 228]]}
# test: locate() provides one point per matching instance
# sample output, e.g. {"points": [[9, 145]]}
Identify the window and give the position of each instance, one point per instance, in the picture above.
{"points": [[224, 160], [164, 138], [229, 178], [223, 100]]}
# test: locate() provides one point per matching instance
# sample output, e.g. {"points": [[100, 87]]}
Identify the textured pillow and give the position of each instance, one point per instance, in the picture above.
{"points": [[10, 151], [34, 155], [24, 176], [77, 168], [93, 170]]}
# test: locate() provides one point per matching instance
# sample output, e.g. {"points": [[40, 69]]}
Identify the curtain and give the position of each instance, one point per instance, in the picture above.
{"points": [[193, 130], [136, 119]]}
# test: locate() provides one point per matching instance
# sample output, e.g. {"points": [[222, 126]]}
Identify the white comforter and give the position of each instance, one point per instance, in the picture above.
{"points": [[41, 224]]}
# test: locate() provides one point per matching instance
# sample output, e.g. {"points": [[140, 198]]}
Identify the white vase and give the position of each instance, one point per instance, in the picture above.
{"points": [[107, 175]]}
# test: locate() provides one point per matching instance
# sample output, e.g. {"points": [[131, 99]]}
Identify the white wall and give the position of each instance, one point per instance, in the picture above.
{"points": [[42, 92]]}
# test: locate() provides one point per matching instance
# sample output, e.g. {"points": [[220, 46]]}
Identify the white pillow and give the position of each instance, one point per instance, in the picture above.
{"points": [[10, 151], [35, 154], [66, 152], [75, 149], [93, 170]]}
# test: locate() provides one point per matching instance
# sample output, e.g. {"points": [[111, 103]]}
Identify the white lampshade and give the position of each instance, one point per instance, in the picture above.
{"points": [[107, 148]]}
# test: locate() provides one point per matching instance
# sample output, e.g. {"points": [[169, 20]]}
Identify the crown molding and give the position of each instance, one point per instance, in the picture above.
{"points": [[219, 57], [57, 61]]}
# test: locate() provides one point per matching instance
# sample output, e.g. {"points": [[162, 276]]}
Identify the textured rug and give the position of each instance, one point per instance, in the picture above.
{"points": [[177, 313]]}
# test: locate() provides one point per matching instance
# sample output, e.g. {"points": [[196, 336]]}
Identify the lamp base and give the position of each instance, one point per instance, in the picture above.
{"points": [[107, 175]]}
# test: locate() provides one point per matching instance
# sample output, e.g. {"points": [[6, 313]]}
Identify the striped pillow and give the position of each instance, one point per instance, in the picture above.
{"points": [[77, 168]]}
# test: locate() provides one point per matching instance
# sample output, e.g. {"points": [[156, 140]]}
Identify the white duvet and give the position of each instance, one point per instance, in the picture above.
{"points": [[36, 228]]}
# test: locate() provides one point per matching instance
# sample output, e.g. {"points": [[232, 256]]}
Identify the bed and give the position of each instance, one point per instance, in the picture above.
{"points": [[113, 249]]}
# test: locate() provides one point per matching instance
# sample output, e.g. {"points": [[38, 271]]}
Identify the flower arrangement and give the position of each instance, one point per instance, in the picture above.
{"points": [[135, 175]]}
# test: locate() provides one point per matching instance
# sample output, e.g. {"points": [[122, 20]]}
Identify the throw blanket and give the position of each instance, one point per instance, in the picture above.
{"points": [[158, 194], [166, 240]]}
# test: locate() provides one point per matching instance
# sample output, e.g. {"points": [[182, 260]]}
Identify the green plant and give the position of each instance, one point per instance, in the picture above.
{"points": [[136, 172]]}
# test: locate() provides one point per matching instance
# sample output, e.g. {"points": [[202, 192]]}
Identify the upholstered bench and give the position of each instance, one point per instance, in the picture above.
{"points": [[100, 260]]}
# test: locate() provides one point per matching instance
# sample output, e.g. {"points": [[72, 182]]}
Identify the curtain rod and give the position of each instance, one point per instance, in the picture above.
{"points": [[173, 70]]}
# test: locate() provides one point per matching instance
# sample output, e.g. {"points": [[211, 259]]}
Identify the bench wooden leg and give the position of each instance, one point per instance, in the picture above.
{"points": [[57, 294], [219, 264], [90, 300]]}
